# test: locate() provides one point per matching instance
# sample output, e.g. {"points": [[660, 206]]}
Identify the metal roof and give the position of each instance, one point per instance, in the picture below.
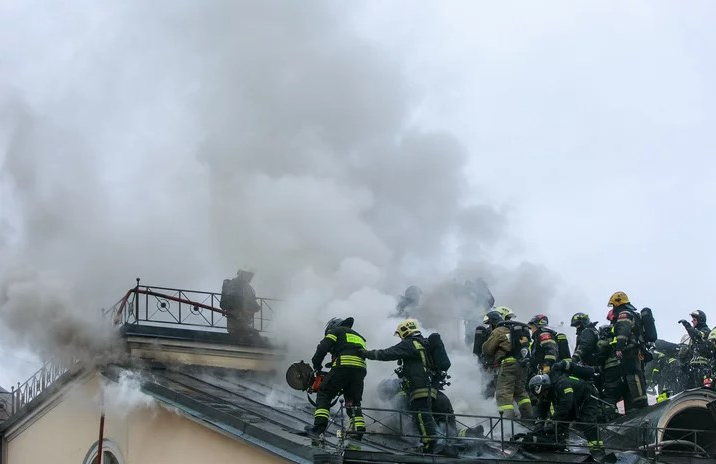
{"points": [[260, 410]]}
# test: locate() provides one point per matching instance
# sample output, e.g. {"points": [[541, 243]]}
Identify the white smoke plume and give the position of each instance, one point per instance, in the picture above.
{"points": [[178, 141], [119, 399]]}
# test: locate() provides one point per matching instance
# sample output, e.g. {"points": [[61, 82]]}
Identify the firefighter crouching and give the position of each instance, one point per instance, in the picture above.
{"points": [[348, 370], [511, 374], [628, 349], [570, 399], [412, 353]]}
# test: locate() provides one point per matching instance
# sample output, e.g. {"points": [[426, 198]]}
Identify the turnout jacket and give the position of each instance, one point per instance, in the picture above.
{"points": [[498, 345], [412, 353], [345, 346], [587, 350], [544, 347], [627, 327]]}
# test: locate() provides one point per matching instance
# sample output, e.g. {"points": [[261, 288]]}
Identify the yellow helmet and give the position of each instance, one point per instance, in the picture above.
{"points": [[407, 327], [618, 299], [505, 312]]}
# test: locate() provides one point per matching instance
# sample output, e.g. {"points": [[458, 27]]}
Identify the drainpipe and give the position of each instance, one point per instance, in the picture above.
{"points": [[101, 436]]}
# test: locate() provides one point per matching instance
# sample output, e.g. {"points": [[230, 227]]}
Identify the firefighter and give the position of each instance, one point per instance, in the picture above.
{"points": [[571, 399], [628, 349], [348, 370], [482, 333], [511, 374], [238, 301], [697, 353], [586, 351], [409, 302], [544, 344], [412, 354], [665, 373]]}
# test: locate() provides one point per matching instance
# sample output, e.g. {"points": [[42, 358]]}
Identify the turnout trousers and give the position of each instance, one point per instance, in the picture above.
{"points": [[346, 380]]}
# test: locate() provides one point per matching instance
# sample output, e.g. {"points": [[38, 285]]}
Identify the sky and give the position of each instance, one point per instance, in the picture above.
{"points": [[344, 152]]}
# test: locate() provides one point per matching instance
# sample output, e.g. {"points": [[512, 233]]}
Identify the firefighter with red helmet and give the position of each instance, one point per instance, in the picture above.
{"points": [[347, 374]]}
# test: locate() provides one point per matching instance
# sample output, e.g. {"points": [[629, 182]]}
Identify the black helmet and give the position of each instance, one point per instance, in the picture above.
{"points": [[492, 318], [580, 319], [338, 322], [540, 320], [540, 382], [700, 316]]}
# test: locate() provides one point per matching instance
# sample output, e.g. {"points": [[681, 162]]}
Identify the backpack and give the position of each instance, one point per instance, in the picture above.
{"points": [[648, 325], [437, 353], [520, 337]]}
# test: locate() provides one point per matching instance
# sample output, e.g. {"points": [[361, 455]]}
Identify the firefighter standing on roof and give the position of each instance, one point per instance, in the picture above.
{"points": [[629, 350], [586, 351], [511, 375], [697, 353], [544, 344], [347, 374], [413, 356]]}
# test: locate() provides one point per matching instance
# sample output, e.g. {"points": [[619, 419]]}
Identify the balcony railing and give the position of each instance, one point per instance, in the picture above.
{"points": [[151, 305], [504, 435], [48, 374]]}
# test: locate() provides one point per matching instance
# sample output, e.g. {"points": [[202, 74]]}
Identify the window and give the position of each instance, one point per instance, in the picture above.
{"points": [[107, 458], [110, 453]]}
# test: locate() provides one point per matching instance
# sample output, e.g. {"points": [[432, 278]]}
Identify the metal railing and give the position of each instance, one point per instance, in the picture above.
{"points": [[50, 372], [505, 435], [152, 305]]}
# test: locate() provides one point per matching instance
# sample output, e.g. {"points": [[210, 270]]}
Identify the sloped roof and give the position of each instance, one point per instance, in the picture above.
{"points": [[256, 409]]}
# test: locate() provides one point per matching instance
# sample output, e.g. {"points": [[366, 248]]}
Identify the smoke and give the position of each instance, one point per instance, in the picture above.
{"points": [[121, 398], [178, 141]]}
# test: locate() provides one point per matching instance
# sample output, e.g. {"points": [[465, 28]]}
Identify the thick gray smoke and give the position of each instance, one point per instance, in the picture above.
{"points": [[178, 141]]}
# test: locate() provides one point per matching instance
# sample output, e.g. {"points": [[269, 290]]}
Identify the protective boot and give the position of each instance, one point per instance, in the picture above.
{"points": [[526, 410]]}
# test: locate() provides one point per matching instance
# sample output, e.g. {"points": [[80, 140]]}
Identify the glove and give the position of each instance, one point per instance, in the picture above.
{"points": [[539, 427], [369, 354], [684, 323], [576, 358], [618, 354], [362, 352]]}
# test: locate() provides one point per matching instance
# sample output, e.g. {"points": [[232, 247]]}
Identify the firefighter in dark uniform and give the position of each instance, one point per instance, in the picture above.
{"points": [[348, 370], [511, 375], [544, 344], [586, 351], [697, 353], [665, 373], [571, 399], [413, 356], [628, 348]]}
